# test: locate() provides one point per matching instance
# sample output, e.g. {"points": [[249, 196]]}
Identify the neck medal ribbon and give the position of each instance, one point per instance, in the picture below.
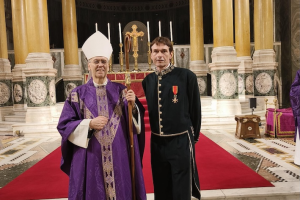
{"points": [[175, 91]]}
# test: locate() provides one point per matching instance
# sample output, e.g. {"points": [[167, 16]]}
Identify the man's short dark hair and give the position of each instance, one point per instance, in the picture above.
{"points": [[162, 40]]}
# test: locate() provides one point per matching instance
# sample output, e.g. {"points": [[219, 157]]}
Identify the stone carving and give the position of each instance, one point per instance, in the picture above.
{"points": [[4, 93], [240, 84], [213, 84], [18, 93], [227, 84], [69, 87], [37, 91], [201, 85], [52, 91], [263, 83], [249, 84]]}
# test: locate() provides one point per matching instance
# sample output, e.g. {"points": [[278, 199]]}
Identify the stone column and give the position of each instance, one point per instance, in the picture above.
{"points": [[264, 65], [39, 72], [5, 69], [197, 64], [21, 52], [72, 72], [242, 45], [224, 66]]}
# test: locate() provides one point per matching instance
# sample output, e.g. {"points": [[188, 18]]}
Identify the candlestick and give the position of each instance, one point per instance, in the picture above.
{"points": [[159, 29], [108, 31], [120, 33], [149, 57], [148, 30], [171, 31], [172, 59], [96, 27], [121, 58], [110, 64]]}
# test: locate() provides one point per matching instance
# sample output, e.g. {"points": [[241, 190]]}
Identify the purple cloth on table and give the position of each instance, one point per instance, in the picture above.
{"points": [[295, 100], [271, 124], [102, 170], [281, 123]]}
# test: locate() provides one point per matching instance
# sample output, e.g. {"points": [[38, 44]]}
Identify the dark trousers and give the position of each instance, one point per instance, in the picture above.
{"points": [[171, 167]]}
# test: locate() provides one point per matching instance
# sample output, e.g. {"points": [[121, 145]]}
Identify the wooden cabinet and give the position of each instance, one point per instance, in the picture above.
{"points": [[247, 126]]}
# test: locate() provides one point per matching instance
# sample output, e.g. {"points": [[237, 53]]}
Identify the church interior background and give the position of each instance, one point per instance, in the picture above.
{"points": [[238, 49]]}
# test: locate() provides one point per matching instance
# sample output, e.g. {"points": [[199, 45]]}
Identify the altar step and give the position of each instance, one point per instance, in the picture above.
{"points": [[35, 129], [6, 128]]}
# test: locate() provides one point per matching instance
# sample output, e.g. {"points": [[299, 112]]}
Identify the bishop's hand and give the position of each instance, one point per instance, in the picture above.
{"points": [[130, 96], [98, 123]]}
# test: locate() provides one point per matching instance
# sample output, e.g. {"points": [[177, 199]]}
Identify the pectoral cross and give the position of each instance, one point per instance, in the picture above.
{"points": [[135, 48]]}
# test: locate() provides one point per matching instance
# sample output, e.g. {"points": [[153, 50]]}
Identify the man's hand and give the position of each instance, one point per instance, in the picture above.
{"points": [[98, 123], [130, 96]]}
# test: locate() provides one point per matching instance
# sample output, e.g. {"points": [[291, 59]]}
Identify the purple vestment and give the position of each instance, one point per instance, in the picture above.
{"points": [[295, 101], [102, 170]]}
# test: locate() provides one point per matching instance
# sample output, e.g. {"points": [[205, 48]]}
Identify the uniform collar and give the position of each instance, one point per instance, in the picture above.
{"points": [[164, 71]]}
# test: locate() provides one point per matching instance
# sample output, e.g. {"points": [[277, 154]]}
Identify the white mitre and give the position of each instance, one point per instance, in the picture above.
{"points": [[97, 45]]}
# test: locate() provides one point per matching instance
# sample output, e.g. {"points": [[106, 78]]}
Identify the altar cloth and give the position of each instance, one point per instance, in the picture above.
{"points": [[280, 122]]}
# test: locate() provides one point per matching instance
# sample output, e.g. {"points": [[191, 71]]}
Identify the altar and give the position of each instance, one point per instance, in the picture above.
{"points": [[136, 80]]}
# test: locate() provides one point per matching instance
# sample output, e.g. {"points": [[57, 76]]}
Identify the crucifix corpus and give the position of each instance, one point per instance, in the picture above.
{"points": [[134, 34]]}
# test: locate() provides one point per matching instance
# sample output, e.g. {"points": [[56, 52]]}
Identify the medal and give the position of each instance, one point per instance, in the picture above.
{"points": [[175, 91]]}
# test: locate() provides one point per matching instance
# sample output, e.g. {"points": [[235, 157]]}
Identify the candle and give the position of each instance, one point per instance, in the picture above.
{"points": [[171, 31], [108, 31], [159, 29], [148, 30], [96, 27], [120, 33]]}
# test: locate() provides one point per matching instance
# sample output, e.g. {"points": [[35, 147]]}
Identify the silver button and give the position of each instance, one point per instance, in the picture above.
{"points": [[159, 99], [160, 113], [161, 133], [159, 85], [159, 92], [161, 126]]}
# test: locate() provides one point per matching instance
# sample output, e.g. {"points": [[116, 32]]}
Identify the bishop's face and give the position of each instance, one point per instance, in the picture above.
{"points": [[160, 55], [98, 66]]}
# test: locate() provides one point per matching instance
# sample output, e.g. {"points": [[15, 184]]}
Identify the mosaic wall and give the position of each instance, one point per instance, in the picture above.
{"points": [[202, 84], [69, 86], [224, 84], [19, 93], [245, 83], [182, 56], [264, 82], [40, 91], [5, 93]]}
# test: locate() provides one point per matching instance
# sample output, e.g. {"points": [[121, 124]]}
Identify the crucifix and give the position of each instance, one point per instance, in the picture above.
{"points": [[135, 48]]}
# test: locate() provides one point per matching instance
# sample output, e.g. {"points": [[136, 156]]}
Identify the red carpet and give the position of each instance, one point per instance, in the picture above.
{"points": [[217, 170]]}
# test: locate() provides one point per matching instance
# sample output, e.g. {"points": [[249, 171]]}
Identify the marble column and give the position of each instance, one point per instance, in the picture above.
{"points": [[5, 69], [21, 52], [224, 66], [242, 46], [39, 72], [197, 63], [72, 76], [264, 65]]}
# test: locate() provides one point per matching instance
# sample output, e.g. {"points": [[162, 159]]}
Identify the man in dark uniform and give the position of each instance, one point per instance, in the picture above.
{"points": [[173, 99]]}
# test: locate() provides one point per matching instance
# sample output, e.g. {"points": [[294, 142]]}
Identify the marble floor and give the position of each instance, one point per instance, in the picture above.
{"points": [[272, 158]]}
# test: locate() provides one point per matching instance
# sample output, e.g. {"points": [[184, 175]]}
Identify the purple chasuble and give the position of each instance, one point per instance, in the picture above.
{"points": [[102, 170], [295, 101]]}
